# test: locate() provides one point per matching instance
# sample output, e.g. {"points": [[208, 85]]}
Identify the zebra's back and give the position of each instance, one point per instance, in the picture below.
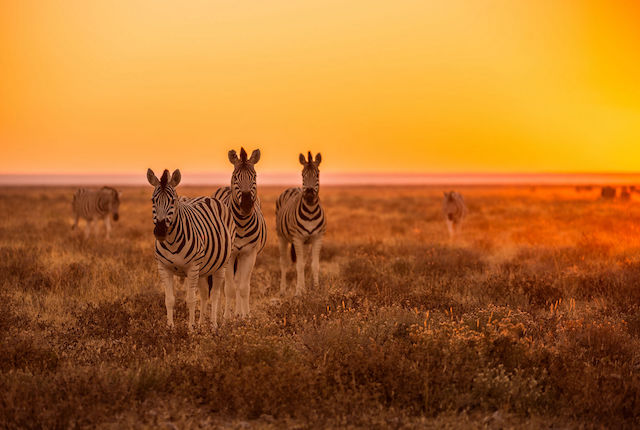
{"points": [[88, 204]]}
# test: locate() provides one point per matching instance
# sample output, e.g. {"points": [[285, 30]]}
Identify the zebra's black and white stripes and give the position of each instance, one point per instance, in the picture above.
{"points": [[194, 240], [251, 230], [101, 204], [300, 221]]}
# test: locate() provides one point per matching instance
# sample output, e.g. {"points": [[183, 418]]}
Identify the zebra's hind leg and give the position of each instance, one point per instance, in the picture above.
{"points": [[299, 248], [284, 263], [216, 289], [75, 223], [245, 267], [169, 298], [203, 287], [192, 285], [316, 246]]}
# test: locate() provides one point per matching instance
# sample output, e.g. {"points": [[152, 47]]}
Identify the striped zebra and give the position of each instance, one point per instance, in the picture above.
{"points": [[454, 211], [101, 204], [194, 239], [251, 230], [300, 221]]}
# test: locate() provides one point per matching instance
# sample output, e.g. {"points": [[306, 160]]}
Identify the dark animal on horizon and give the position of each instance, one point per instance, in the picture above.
{"points": [[608, 192]]}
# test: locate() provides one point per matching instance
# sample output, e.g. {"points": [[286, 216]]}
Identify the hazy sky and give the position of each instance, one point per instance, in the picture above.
{"points": [[392, 86]]}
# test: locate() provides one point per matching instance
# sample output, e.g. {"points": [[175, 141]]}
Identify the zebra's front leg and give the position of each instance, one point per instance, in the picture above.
{"points": [[450, 228], [87, 229], [75, 223], [169, 298], [203, 286], [218, 279], [299, 248], [245, 267], [316, 246], [284, 257], [192, 285]]}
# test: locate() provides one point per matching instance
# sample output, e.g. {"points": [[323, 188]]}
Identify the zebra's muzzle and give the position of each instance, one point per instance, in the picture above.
{"points": [[160, 230], [246, 202], [116, 217], [309, 195]]}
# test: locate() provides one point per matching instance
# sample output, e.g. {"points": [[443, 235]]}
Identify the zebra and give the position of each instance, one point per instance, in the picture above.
{"points": [[300, 221], [251, 229], [101, 204], [194, 239], [454, 211]]}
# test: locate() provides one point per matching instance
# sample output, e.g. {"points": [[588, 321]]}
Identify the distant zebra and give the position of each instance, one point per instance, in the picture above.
{"points": [[101, 204], [454, 211], [194, 239], [251, 230], [300, 221]]}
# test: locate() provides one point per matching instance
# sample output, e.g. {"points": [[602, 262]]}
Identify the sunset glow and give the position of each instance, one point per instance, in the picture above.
{"points": [[376, 86]]}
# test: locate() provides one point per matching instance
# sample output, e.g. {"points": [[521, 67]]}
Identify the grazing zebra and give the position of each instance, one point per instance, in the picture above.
{"points": [[454, 211], [194, 239], [101, 204], [251, 230], [300, 221]]}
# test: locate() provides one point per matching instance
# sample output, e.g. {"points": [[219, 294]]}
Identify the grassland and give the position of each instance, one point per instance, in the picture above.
{"points": [[529, 320]]}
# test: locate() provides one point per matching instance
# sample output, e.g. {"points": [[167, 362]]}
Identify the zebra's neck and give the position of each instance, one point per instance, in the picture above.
{"points": [[174, 229], [237, 212], [308, 209]]}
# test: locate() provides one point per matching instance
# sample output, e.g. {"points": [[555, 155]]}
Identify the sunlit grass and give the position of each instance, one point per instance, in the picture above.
{"points": [[529, 319]]}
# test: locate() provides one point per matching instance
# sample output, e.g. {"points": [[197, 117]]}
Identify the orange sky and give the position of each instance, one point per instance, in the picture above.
{"points": [[419, 86]]}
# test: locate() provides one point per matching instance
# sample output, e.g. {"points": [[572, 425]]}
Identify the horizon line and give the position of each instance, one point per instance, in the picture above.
{"points": [[335, 178]]}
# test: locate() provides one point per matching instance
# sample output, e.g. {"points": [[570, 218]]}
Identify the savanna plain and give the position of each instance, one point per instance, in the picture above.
{"points": [[528, 319]]}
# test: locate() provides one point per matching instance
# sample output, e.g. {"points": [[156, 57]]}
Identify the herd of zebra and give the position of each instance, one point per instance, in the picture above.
{"points": [[207, 242]]}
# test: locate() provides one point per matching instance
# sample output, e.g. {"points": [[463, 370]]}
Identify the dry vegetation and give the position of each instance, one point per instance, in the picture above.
{"points": [[531, 319]]}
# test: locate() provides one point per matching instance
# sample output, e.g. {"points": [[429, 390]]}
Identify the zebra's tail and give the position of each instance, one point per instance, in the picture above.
{"points": [[293, 254], [235, 266], [210, 283]]}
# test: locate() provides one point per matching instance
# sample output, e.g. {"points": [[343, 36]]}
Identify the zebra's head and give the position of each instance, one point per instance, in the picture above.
{"points": [[114, 196], [164, 201], [243, 180], [310, 177]]}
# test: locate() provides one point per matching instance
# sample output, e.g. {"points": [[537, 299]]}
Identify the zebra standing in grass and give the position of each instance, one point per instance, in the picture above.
{"points": [[251, 230], [101, 204], [194, 239], [454, 211], [300, 221]]}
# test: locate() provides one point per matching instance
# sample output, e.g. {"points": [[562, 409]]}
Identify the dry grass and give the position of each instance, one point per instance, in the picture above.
{"points": [[531, 319]]}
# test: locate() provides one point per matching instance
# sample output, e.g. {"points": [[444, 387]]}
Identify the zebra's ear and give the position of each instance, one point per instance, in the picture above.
{"points": [[175, 178], [233, 157], [303, 160], [152, 178], [318, 159], [255, 156]]}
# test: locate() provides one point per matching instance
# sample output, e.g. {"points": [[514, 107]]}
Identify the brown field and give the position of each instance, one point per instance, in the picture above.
{"points": [[530, 319]]}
